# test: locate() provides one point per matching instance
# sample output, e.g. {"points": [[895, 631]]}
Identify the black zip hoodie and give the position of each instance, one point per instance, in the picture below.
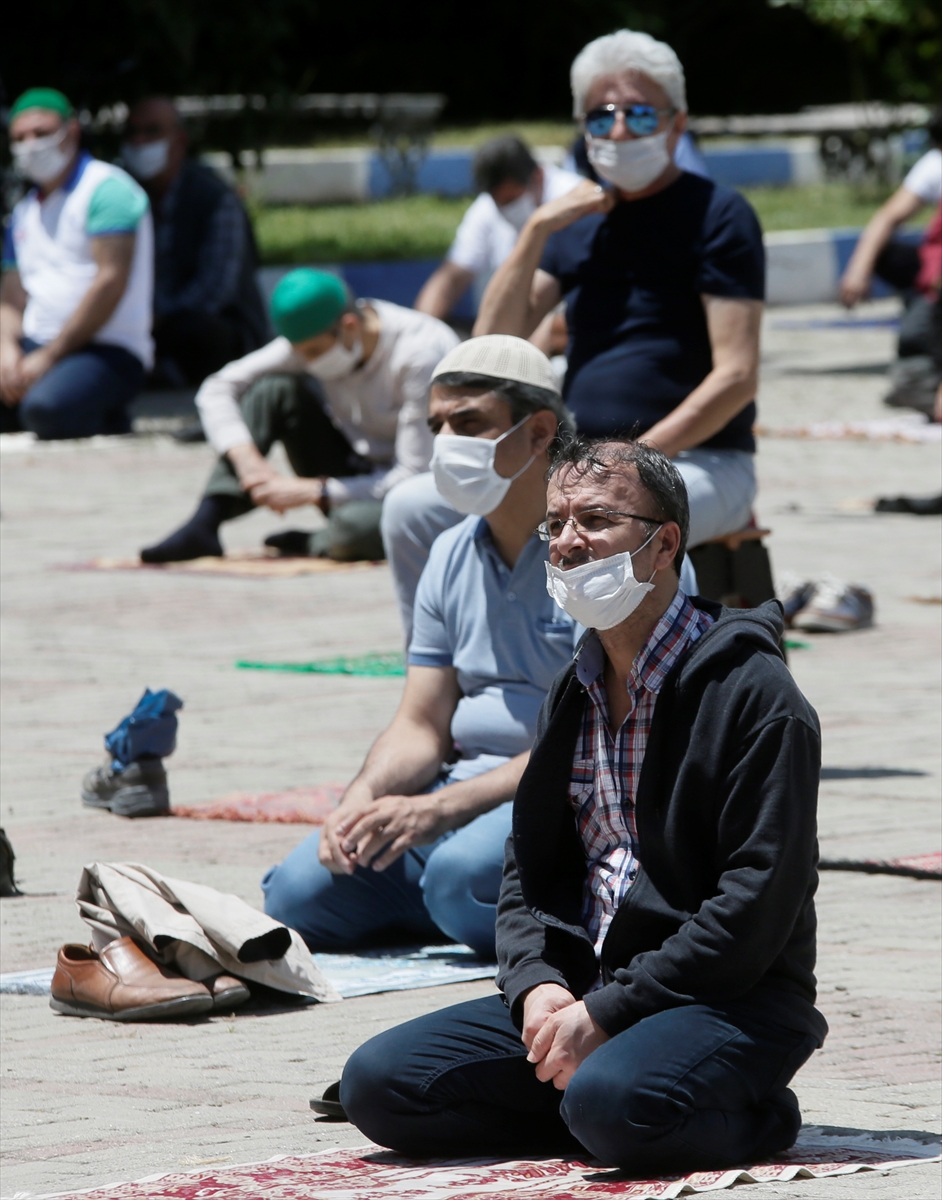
{"points": [[722, 909]]}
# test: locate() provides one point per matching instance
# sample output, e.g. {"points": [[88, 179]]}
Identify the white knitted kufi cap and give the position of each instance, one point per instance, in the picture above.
{"points": [[500, 356]]}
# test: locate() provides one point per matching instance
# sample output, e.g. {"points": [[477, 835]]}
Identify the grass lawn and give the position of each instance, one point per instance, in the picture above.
{"points": [[423, 226]]}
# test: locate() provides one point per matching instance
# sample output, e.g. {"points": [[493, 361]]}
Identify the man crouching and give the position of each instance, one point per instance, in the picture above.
{"points": [[656, 925]]}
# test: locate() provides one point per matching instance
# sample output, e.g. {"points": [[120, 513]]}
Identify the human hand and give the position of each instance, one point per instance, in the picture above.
{"points": [[357, 800], [587, 197], [395, 823], [10, 358], [565, 1041], [280, 494], [31, 368], [539, 1004], [854, 287]]}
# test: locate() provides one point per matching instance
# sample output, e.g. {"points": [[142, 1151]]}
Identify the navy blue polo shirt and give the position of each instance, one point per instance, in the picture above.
{"points": [[633, 282]]}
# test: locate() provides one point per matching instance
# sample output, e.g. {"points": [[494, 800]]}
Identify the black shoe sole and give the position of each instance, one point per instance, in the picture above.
{"points": [[328, 1103], [178, 1009]]}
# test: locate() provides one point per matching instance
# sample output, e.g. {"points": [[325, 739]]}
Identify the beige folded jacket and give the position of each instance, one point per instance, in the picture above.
{"points": [[196, 930]]}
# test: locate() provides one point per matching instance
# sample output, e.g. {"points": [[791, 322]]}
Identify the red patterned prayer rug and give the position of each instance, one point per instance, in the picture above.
{"points": [[293, 806], [371, 1174]]}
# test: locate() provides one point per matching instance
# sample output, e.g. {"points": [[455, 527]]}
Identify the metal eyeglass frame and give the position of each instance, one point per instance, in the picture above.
{"points": [[640, 119], [543, 530]]}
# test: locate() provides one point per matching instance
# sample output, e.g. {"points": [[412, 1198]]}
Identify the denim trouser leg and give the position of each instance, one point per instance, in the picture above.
{"points": [[339, 912], [85, 393], [721, 486], [695, 1087], [450, 887], [414, 514]]}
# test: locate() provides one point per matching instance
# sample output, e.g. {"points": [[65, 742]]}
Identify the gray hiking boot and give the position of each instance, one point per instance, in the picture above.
{"points": [[140, 790]]}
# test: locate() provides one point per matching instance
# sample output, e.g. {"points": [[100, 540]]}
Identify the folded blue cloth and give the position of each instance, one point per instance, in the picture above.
{"points": [[150, 731]]}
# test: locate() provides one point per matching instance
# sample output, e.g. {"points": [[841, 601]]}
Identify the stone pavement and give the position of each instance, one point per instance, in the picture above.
{"points": [[88, 1102]]}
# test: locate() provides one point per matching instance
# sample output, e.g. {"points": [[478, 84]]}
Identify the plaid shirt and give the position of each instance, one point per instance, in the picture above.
{"points": [[605, 770]]}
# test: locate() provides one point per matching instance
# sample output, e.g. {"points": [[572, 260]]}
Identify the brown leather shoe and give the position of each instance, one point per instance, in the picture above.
{"points": [[122, 984], [227, 992]]}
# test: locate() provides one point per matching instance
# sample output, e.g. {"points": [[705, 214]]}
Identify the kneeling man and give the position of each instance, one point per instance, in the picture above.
{"points": [[343, 388], [656, 926], [416, 848]]}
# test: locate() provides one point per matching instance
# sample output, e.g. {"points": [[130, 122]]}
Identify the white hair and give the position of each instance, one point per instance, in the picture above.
{"points": [[624, 51]]}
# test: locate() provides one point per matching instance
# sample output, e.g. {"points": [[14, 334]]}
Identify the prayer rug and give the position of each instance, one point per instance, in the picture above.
{"points": [[393, 663], [914, 428], [246, 564], [366, 973], [916, 866], [371, 1174], [293, 806]]}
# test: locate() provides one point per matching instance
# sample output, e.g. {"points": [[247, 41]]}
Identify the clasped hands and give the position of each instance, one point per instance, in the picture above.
{"points": [[268, 489], [18, 372], [364, 832], [558, 1032]]}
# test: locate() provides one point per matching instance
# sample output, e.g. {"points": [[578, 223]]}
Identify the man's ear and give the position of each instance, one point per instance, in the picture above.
{"points": [[543, 426], [670, 544]]}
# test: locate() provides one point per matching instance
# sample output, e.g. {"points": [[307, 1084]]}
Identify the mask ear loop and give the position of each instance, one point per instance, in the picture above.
{"points": [[640, 548], [530, 460]]}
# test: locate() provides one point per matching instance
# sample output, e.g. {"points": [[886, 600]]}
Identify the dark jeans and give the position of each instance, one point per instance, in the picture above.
{"points": [[191, 345], [692, 1088], [85, 393], [289, 409]]}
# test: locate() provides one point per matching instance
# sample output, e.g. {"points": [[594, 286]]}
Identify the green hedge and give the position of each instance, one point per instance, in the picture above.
{"points": [[423, 226]]}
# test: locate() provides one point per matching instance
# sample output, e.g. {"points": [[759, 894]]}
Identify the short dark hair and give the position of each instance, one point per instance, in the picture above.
{"points": [[604, 456], [502, 160], [523, 398]]}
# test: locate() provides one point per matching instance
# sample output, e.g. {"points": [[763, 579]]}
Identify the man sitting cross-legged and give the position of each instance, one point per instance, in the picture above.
{"points": [[656, 927], [415, 849]]}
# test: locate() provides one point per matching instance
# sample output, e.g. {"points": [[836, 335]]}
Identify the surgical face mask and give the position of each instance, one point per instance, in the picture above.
{"points": [[337, 362], [630, 165], [41, 159], [599, 594], [519, 211], [465, 474], [148, 160]]}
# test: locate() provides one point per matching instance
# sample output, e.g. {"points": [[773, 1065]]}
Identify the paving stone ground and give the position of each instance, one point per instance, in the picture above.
{"points": [[86, 1102]]}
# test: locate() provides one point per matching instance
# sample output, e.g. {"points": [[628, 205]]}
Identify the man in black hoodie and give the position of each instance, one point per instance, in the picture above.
{"points": [[656, 927]]}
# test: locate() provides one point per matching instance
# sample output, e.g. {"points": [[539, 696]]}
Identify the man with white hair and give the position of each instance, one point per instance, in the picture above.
{"points": [[663, 275], [416, 847]]}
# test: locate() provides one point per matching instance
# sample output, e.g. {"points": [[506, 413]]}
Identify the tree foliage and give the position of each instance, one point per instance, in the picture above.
{"points": [[492, 59]]}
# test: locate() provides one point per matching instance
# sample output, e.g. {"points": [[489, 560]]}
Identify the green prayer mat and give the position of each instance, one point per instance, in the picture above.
{"points": [[364, 664]]}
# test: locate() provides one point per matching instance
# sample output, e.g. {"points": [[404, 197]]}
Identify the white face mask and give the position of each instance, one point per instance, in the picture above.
{"points": [[465, 474], [148, 160], [630, 165], [519, 211], [599, 594], [337, 362], [41, 159]]}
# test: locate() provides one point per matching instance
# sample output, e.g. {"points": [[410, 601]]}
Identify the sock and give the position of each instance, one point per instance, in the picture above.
{"points": [[199, 537]]}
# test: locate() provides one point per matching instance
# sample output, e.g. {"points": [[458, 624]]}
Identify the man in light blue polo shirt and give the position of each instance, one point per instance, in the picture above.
{"points": [[75, 298], [416, 847]]}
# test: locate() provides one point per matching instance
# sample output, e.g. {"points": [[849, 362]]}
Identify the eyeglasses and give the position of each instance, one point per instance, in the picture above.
{"points": [[593, 520], [641, 119]]}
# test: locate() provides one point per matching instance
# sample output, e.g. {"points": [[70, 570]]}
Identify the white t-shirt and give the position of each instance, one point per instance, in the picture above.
{"points": [[382, 407], [49, 242], [484, 238], [925, 178]]}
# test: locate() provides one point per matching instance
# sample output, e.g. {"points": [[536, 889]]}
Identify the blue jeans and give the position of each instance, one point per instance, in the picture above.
{"points": [[449, 887], [85, 393], [694, 1088]]}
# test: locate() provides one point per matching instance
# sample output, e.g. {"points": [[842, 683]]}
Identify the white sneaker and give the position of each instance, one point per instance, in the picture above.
{"points": [[835, 607]]}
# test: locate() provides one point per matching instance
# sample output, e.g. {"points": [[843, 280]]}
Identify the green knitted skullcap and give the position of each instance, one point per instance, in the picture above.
{"points": [[305, 303], [48, 98]]}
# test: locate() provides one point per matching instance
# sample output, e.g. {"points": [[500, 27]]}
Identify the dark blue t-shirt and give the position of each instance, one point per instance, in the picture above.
{"points": [[633, 282]]}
